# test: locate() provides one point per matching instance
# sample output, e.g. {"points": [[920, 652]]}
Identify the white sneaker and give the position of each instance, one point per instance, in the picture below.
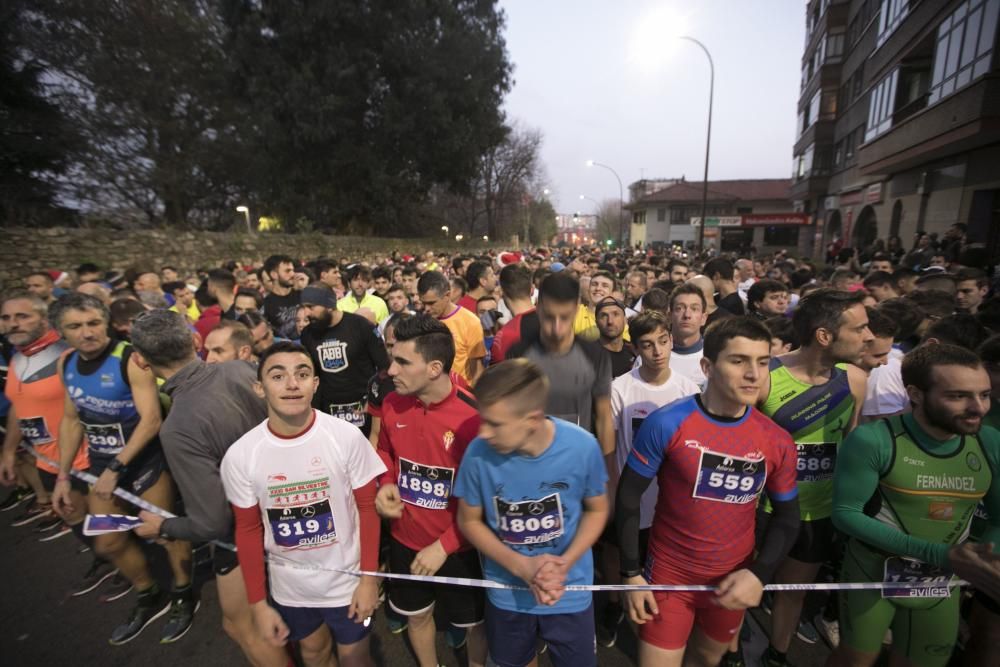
{"points": [[829, 629]]}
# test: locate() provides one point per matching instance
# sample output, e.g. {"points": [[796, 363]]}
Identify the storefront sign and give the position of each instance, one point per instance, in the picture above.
{"points": [[874, 193], [723, 221], [766, 219]]}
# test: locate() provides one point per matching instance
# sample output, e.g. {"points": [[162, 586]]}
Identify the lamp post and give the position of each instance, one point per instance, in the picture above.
{"points": [[708, 141], [246, 215], [621, 197], [444, 228]]}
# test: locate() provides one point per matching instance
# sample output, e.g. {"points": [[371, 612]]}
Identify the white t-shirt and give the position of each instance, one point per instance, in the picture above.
{"points": [[632, 400], [689, 365], [304, 486], [885, 393]]}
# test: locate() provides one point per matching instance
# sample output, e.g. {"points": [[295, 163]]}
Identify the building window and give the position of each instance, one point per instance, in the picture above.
{"points": [[781, 235], [677, 216], [803, 163], [661, 215], [744, 210], [964, 47], [814, 107], [639, 217], [835, 45], [880, 106], [893, 14]]}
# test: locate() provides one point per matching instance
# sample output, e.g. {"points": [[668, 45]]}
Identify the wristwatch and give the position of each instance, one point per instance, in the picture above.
{"points": [[117, 466], [163, 535]]}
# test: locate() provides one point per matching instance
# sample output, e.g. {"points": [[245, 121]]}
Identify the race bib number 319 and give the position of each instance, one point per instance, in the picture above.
{"points": [[729, 479], [303, 527], [529, 521]]}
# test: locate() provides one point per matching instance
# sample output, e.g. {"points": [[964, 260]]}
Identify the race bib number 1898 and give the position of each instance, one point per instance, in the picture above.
{"points": [[425, 486], [529, 521], [729, 479]]}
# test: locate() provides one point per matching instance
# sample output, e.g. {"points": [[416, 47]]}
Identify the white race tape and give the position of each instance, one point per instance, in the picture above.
{"points": [[486, 583]]}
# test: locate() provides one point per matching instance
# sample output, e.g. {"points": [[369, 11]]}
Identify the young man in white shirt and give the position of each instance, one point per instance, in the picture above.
{"points": [[634, 396], [310, 478], [687, 317]]}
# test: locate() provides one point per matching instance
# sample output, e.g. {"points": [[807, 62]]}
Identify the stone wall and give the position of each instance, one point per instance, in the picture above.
{"points": [[25, 250]]}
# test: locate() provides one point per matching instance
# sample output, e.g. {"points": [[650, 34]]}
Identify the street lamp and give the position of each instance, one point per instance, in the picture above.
{"points": [[486, 238], [444, 228], [621, 198], [459, 237], [246, 215], [708, 140]]}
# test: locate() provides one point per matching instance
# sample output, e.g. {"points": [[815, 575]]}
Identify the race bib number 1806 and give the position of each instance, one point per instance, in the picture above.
{"points": [[729, 479], [529, 521]]}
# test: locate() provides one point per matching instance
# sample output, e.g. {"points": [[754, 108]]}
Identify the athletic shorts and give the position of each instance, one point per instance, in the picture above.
{"points": [[925, 635], [513, 637], [462, 606], [224, 561], [303, 621], [815, 543], [49, 482], [681, 611], [140, 475]]}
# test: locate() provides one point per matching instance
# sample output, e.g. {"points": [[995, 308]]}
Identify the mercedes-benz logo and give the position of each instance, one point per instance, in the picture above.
{"points": [[432, 474], [308, 511], [750, 467], [536, 508]]}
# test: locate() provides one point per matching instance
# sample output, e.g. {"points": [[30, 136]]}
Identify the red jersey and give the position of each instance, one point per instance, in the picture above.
{"points": [[508, 336], [710, 473], [468, 303], [422, 447]]}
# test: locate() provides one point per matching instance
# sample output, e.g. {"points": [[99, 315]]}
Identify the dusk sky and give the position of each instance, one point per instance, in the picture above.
{"points": [[604, 80]]}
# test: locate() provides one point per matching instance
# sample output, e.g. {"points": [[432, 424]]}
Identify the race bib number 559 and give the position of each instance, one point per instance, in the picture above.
{"points": [[533, 521], [729, 479]]}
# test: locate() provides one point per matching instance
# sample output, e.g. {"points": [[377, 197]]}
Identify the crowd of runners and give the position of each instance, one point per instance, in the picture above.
{"points": [[543, 420]]}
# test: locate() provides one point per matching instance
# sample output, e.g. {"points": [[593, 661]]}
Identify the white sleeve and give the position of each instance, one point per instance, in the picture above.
{"points": [[239, 488], [885, 393], [617, 411], [363, 464]]}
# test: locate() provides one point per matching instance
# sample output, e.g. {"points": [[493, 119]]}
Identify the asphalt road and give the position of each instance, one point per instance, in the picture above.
{"points": [[42, 625]]}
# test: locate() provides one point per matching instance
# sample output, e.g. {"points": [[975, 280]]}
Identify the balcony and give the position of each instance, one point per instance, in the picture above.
{"points": [[960, 122], [819, 133], [812, 185], [835, 17]]}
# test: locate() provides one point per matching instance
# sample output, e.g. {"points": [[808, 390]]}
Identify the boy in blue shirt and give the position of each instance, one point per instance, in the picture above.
{"points": [[532, 500]]}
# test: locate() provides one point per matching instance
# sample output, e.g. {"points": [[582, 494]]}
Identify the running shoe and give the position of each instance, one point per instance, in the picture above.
{"points": [[119, 588], [456, 637], [807, 633], [607, 624], [395, 622], [733, 659], [772, 658], [183, 607], [54, 534], [830, 630], [99, 572], [149, 606], [17, 496], [34, 512]]}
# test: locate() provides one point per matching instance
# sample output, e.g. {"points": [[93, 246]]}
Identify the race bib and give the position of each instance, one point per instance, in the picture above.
{"points": [[529, 521], [815, 461], [729, 479], [909, 570], [425, 486], [104, 438], [303, 527], [981, 513], [34, 430], [352, 413]]}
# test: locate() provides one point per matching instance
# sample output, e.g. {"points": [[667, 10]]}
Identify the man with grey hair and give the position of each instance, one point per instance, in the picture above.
{"points": [[212, 407], [36, 407], [744, 277]]}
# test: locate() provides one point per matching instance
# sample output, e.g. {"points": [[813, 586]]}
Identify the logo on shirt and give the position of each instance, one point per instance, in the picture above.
{"points": [[449, 439], [277, 478], [107, 380], [332, 356], [973, 462], [74, 392]]}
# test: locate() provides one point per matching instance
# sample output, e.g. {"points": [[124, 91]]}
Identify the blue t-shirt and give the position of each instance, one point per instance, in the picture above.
{"points": [[534, 505]]}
